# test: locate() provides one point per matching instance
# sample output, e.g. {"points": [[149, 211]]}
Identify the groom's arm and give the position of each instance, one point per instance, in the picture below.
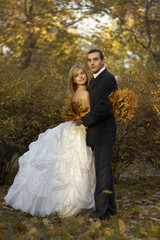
{"points": [[103, 110]]}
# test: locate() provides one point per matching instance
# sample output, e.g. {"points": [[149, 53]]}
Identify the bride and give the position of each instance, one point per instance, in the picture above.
{"points": [[57, 174]]}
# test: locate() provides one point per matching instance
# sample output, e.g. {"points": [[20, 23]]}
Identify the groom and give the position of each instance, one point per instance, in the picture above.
{"points": [[101, 133]]}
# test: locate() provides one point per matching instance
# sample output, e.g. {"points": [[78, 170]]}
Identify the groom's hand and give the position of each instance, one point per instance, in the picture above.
{"points": [[78, 122]]}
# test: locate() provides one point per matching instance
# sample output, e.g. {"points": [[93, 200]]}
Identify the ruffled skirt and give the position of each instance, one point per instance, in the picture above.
{"points": [[56, 175]]}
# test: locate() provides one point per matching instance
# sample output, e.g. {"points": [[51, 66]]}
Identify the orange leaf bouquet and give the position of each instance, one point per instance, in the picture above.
{"points": [[74, 110], [123, 103]]}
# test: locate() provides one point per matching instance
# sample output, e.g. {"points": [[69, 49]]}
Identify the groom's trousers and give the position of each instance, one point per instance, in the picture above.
{"points": [[105, 202]]}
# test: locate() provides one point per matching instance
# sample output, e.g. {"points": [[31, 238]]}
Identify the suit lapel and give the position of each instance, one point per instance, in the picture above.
{"points": [[92, 83]]}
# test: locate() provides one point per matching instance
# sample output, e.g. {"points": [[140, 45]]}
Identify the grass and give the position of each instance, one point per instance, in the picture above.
{"points": [[138, 203]]}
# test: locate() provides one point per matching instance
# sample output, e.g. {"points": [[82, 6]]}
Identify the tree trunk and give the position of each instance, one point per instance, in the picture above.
{"points": [[27, 50]]}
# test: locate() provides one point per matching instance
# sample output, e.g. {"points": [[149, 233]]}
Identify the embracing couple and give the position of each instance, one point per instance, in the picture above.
{"points": [[61, 173]]}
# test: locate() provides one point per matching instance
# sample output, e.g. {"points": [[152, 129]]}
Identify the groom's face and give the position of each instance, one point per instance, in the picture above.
{"points": [[95, 62]]}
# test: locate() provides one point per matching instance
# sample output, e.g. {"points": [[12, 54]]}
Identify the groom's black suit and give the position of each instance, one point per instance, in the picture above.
{"points": [[101, 134]]}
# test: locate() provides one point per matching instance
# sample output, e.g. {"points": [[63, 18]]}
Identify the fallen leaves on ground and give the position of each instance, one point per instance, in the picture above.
{"points": [[122, 227], [138, 203]]}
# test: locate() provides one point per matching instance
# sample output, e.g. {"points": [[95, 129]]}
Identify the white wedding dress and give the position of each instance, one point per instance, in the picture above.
{"points": [[56, 175]]}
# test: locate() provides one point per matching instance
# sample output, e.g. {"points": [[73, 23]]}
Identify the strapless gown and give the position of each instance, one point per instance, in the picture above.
{"points": [[56, 175]]}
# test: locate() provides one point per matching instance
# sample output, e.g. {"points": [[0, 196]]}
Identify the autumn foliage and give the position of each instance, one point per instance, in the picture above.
{"points": [[137, 145], [30, 103], [123, 103], [74, 110]]}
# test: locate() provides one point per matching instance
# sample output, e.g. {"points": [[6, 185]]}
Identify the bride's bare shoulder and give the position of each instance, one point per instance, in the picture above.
{"points": [[84, 93], [81, 94]]}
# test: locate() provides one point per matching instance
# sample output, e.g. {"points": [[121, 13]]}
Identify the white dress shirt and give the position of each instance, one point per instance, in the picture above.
{"points": [[101, 70]]}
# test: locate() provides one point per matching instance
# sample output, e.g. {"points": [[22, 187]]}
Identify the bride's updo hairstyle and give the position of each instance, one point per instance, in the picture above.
{"points": [[71, 75]]}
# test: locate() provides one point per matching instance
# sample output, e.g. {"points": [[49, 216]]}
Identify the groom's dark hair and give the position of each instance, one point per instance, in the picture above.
{"points": [[97, 50]]}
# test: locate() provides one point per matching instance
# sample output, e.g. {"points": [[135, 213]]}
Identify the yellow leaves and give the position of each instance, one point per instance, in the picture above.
{"points": [[74, 110], [153, 228], [32, 231], [107, 191], [158, 205], [48, 15], [72, 30], [16, 21], [81, 220], [43, 32], [45, 221], [36, 29], [81, 227], [151, 232], [96, 224], [23, 227], [143, 231], [130, 21], [19, 36], [28, 23], [109, 231], [154, 232], [123, 103], [122, 227], [10, 39], [57, 24]]}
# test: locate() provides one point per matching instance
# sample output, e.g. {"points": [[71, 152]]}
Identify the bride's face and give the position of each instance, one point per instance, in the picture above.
{"points": [[80, 77]]}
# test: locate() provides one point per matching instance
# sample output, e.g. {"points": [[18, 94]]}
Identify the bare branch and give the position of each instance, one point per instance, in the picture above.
{"points": [[136, 39], [148, 5]]}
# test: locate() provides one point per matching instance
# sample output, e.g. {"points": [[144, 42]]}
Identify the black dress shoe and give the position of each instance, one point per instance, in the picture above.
{"points": [[99, 215]]}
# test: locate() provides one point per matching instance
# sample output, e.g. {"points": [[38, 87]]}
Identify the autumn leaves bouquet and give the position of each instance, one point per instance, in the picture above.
{"points": [[74, 110], [123, 103]]}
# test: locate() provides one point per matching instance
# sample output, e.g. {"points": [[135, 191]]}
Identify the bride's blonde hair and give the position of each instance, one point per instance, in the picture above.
{"points": [[71, 75]]}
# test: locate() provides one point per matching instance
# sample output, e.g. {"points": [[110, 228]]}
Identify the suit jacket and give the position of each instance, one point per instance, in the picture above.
{"points": [[100, 122]]}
